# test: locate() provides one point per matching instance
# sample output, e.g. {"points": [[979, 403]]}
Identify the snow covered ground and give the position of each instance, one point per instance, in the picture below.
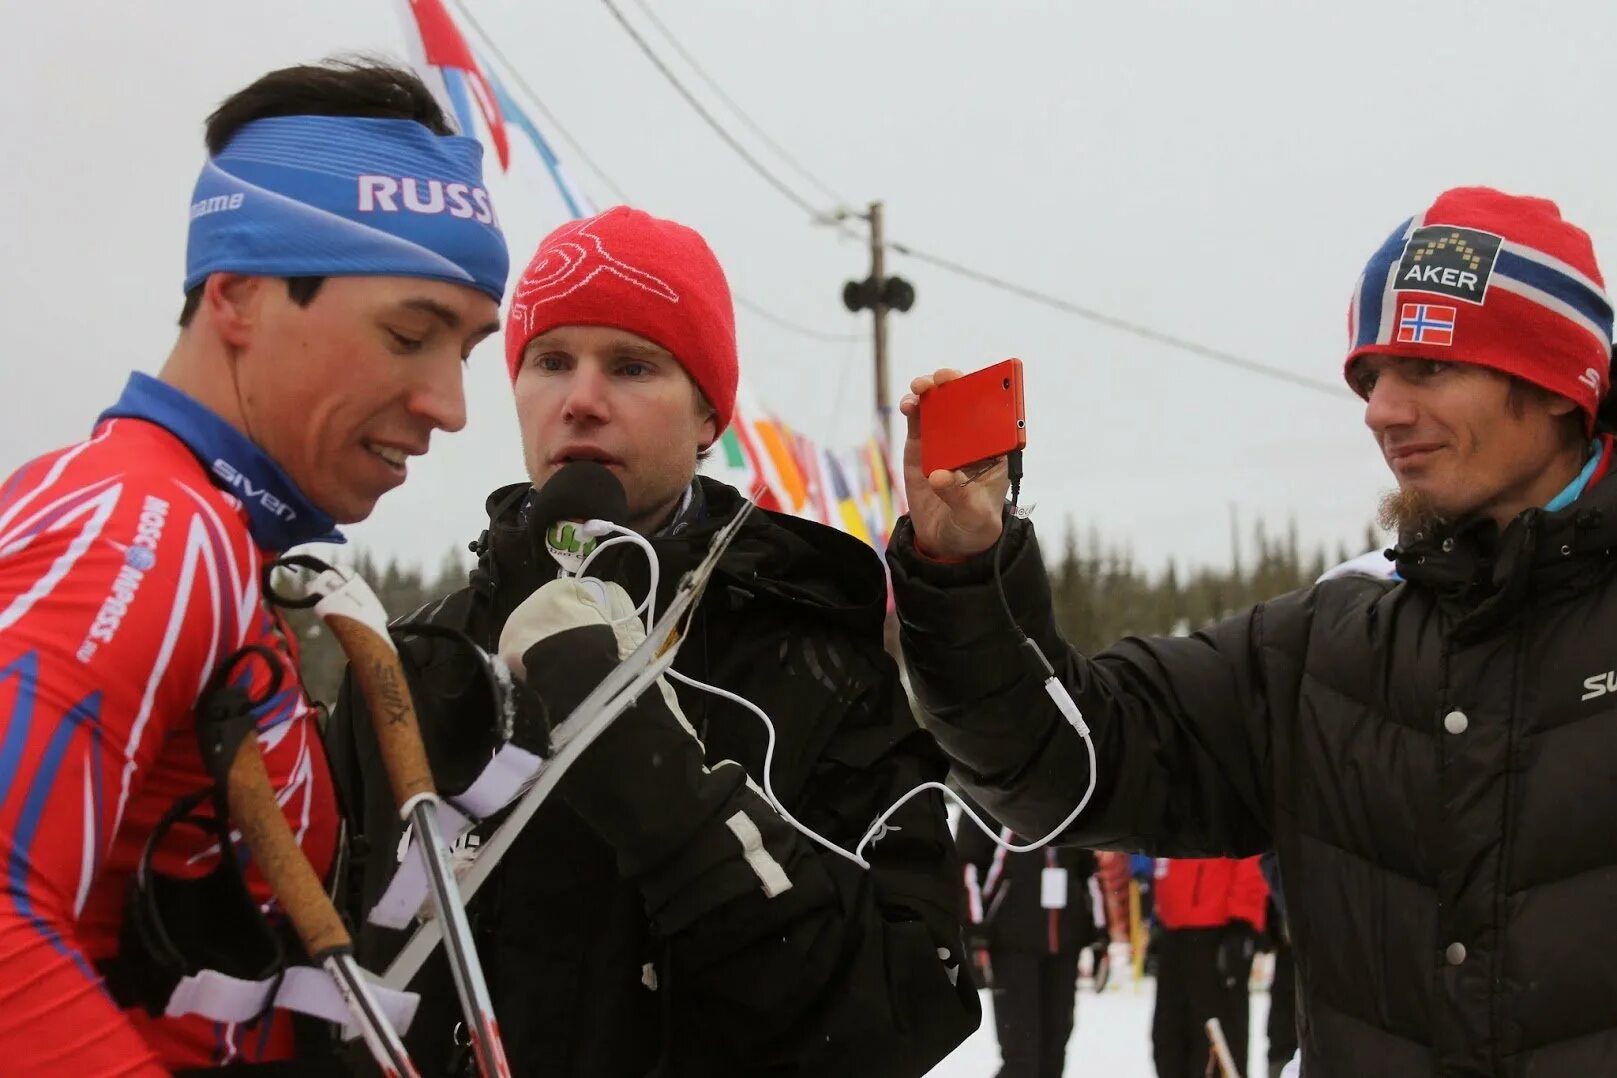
{"points": [[1112, 1040]]}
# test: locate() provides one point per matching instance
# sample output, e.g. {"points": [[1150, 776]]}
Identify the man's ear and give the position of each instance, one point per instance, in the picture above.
{"points": [[710, 433], [1560, 405], [233, 302]]}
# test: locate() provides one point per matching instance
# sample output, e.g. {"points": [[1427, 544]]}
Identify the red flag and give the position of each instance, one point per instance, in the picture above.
{"points": [[444, 47]]}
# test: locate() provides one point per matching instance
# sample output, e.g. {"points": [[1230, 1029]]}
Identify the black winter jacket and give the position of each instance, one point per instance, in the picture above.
{"points": [[1435, 761], [689, 969]]}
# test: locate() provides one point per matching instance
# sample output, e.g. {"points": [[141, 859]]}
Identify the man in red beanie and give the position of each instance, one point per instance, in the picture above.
{"points": [[1431, 755], [660, 915], [621, 344]]}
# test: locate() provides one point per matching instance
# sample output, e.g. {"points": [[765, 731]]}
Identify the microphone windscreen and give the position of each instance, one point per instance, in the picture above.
{"points": [[580, 490]]}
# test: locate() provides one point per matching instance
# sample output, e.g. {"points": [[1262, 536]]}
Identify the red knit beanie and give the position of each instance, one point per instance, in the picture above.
{"points": [[631, 271], [1493, 279]]}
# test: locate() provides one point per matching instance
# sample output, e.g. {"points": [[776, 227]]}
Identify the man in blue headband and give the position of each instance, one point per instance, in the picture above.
{"points": [[343, 261]]}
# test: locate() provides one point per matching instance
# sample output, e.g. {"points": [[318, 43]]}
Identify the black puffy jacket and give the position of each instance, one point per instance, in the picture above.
{"points": [[1435, 761], [691, 969]]}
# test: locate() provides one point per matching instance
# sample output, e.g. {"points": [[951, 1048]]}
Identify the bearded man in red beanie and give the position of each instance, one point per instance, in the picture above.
{"points": [[1432, 756], [661, 915]]}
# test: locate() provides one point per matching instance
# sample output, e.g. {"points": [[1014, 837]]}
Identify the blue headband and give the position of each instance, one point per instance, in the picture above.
{"points": [[319, 196]]}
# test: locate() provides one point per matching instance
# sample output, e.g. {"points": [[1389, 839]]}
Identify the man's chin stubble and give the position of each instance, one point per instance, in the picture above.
{"points": [[1408, 511]]}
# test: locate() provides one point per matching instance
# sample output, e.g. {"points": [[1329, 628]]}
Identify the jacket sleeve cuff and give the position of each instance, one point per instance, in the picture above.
{"points": [[743, 849], [942, 571]]}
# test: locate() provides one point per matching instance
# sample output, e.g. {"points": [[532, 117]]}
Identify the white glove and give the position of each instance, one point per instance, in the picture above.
{"points": [[569, 603]]}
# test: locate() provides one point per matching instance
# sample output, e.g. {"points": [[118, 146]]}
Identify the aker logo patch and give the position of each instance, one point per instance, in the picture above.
{"points": [[1450, 261]]}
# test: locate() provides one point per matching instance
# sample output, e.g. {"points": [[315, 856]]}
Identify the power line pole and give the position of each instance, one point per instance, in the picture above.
{"points": [[879, 294], [878, 319]]}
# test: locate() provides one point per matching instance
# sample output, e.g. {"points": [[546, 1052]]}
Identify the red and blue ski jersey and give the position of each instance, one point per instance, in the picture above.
{"points": [[129, 569]]}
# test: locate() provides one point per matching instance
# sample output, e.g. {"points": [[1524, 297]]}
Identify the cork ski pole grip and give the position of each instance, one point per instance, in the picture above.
{"points": [[398, 732], [281, 861]]}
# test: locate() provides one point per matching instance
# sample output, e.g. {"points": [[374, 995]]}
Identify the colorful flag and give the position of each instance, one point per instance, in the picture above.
{"points": [[767, 446], [844, 502], [578, 203], [731, 463], [883, 506], [443, 60], [818, 505]]}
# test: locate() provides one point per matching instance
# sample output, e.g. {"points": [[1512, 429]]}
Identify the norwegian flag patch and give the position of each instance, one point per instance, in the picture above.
{"points": [[1426, 323]]}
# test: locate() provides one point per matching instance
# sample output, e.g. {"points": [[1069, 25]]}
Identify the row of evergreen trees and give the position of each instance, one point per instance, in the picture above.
{"points": [[1101, 593]]}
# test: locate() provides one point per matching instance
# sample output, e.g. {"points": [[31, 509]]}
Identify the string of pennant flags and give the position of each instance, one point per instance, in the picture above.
{"points": [[855, 489]]}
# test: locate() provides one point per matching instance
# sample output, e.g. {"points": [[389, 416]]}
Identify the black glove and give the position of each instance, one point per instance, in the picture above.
{"points": [[642, 785], [466, 712], [1236, 948]]}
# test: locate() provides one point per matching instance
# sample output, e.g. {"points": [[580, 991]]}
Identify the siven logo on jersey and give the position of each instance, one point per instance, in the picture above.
{"points": [[237, 481], [140, 558]]}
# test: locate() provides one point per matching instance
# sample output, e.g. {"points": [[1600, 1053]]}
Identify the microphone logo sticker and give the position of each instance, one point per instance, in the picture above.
{"points": [[567, 543]]}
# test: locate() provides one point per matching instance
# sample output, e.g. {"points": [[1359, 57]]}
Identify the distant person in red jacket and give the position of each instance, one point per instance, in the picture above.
{"points": [[1211, 911]]}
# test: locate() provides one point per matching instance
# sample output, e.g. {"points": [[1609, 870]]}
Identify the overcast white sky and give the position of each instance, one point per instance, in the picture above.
{"points": [[1217, 170]]}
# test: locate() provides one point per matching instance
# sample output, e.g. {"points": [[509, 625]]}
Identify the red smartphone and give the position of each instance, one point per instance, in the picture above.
{"points": [[978, 416]]}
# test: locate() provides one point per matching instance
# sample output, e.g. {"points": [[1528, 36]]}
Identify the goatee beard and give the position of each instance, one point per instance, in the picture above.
{"points": [[1408, 512]]}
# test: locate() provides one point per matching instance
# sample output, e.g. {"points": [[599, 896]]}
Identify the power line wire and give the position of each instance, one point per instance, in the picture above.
{"points": [[1121, 325], [611, 185], [701, 72], [817, 334], [538, 103], [814, 213]]}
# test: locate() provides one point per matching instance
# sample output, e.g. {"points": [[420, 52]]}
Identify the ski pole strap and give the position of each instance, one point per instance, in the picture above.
{"points": [[176, 929], [308, 990], [225, 710], [510, 772], [176, 926]]}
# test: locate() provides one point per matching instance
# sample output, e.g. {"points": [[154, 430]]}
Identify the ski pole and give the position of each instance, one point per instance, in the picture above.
{"points": [[1219, 1055], [351, 610], [284, 865]]}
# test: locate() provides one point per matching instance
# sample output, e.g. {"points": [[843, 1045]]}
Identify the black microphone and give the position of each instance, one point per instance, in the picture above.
{"points": [[565, 515]]}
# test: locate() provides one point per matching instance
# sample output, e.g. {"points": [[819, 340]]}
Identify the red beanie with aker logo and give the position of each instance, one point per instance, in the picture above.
{"points": [[1498, 280], [631, 271]]}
